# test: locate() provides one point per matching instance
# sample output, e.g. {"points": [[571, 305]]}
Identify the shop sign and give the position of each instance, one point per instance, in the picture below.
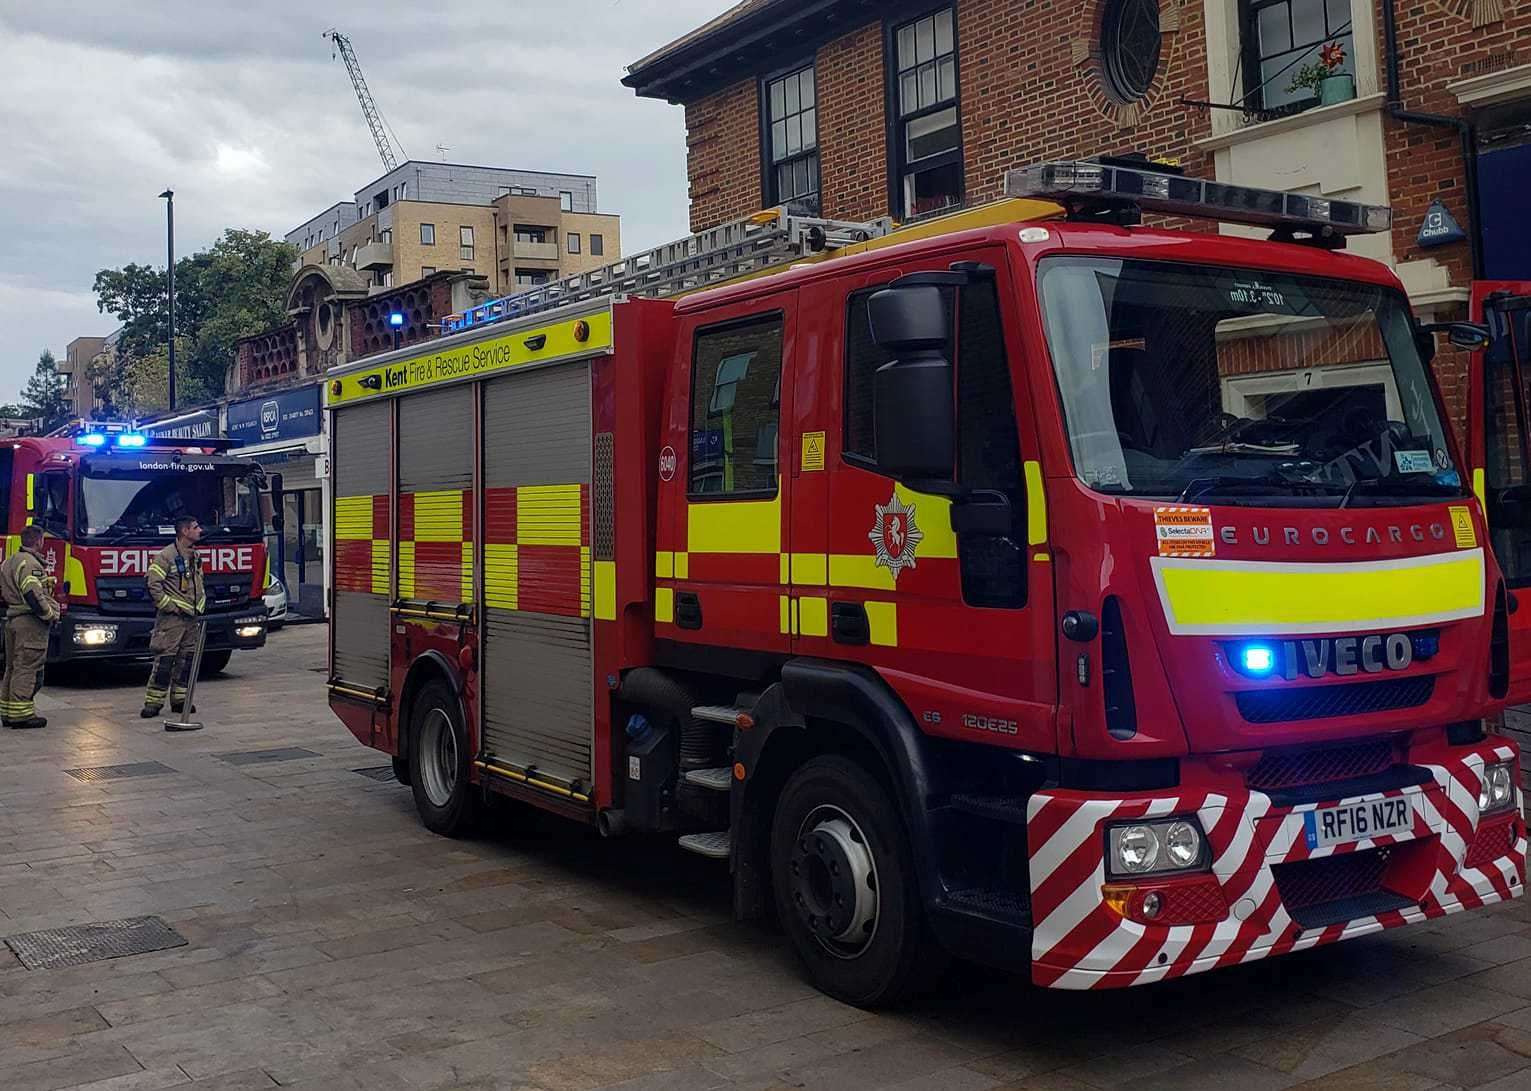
{"points": [[284, 414]]}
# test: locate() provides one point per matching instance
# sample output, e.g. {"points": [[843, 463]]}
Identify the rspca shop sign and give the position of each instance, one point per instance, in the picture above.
{"points": [[285, 414]]}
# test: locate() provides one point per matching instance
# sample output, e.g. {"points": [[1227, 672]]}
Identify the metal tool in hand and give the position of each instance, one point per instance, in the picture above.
{"points": [[186, 723]]}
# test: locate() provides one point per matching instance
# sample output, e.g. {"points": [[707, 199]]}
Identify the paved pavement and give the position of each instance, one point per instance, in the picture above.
{"points": [[334, 944]]}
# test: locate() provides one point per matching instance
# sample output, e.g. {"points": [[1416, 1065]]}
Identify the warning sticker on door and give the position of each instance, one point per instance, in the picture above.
{"points": [[1462, 526], [813, 451], [1184, 532]]}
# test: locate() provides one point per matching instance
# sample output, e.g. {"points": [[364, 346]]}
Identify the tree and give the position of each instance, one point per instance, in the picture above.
{"points": [[235, 288], [43, 397]]}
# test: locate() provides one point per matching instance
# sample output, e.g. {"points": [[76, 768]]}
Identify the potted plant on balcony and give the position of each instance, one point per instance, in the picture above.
{"points": [[1324, 78]]}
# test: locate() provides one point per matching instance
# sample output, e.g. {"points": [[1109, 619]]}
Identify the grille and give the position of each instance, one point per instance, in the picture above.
{"points": [[376, 772], [91, 774], [1323, 702], [1310, 883], [1491, 843], [82, 943], [603, 498], [1297, 768], [1193, 903], [260, 757]]}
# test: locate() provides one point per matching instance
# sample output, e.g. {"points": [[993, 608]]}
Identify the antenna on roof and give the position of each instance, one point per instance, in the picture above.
{"points": [[443, 149]]}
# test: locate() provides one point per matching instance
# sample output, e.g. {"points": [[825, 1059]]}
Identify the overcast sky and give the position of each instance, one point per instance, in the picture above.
{"points": [[239, 107]]}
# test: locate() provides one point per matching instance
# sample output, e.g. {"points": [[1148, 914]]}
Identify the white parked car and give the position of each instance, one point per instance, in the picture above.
{"points": [[276, 605]]}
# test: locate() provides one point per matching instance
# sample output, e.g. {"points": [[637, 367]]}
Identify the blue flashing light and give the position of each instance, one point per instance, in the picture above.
{"points": [[395, 319], [93, 439], [130, 439], [1257, 660]]}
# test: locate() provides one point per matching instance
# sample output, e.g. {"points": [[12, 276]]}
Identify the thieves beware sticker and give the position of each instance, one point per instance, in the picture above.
{"points": [[1184, 532]]}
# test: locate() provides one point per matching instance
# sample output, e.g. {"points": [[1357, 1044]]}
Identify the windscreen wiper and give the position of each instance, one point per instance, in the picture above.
{"points": [[1396, 486], [1266, 484]]}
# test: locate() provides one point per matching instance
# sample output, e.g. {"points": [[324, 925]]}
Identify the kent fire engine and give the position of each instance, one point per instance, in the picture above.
{"points": [[108, 497], [941, 584]]}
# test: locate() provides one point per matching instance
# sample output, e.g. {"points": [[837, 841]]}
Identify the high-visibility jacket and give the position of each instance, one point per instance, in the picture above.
{"points": [[24, 586], [175, 581]]}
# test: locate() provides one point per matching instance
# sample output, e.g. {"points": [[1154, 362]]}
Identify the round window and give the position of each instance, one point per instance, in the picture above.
{"points": [[1131, 45]]}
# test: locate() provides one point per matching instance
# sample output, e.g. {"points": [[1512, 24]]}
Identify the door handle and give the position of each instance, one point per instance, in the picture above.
{"points": [[688, 610], [848, 623]]}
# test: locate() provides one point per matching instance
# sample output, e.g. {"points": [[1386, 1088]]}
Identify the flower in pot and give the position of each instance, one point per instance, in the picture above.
{"points": [[1324, 76]]}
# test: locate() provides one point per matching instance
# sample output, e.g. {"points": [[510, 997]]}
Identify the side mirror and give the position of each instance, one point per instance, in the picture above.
{"points": [[1463, 335], [914, 411]]}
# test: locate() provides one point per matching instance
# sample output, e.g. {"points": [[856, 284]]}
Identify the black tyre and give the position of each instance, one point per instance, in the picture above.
{"points": [[401, 770], [214, 662], [439, 762], [845, 886]]}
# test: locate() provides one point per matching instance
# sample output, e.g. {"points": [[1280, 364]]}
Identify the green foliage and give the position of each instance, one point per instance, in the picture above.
{"points": [[235, 288], [43, 397]]}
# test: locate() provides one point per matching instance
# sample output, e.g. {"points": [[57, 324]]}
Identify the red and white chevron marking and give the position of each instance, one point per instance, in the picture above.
{"points": [[1079, 942]]}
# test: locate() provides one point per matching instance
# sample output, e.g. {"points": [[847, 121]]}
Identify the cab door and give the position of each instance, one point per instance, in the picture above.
{"points": [[959, 624], [1499, 406]]}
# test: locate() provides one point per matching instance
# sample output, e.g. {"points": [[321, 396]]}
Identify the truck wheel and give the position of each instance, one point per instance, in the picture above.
{"points": [[845, 886], [439, 762], [213, 663], [401, 771]]}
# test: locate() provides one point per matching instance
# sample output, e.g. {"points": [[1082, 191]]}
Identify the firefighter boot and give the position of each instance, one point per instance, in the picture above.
{"points": [[29, 722], [148, 712]]}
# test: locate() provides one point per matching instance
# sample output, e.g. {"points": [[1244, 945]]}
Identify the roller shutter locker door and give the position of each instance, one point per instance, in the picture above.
{"points": [[360, 518], [436, 496], [537, 662]]}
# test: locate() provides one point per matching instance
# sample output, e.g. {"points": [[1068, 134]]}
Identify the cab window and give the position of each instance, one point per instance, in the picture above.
{"points": [[53, 502], [735, 409]]}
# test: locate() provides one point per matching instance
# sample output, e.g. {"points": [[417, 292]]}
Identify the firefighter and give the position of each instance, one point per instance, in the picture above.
{"points": [[175, 585], [29, 610]]}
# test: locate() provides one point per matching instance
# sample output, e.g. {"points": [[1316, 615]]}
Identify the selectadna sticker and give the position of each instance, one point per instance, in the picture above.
{"points": [[1414, 462]]}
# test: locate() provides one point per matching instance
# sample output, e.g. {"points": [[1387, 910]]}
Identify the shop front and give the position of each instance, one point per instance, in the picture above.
{"points": [[283, 431]]}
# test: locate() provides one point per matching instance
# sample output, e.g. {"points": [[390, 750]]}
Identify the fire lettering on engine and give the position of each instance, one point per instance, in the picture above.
{"points": [[135, 561]]}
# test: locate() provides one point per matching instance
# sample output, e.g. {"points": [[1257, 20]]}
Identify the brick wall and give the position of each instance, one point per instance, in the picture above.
{"points": [[1439, 45], [422, 303], [1031, 89], [723, 155]]}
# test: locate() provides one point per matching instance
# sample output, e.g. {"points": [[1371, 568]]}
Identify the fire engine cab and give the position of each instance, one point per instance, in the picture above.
{"points": [[947, 583], [107, 497]]}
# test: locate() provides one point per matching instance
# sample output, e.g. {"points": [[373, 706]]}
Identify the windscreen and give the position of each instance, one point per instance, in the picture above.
{"points": [[122, 505], [1200, 382]]}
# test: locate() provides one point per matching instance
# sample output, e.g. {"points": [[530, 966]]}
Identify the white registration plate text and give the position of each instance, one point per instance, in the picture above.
{"points": [[1358, 821]]}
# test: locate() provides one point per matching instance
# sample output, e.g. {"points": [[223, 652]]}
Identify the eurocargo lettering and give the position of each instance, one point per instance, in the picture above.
{"points": [[935, 581]]}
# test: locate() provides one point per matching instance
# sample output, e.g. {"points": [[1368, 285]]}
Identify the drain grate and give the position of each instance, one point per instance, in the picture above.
{"points": [[82, 943], [90, 774], [376, 772], [258, 757]]}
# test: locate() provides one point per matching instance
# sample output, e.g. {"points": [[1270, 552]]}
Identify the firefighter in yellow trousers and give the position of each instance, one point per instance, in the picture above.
{"points": [[29, 610], [175, 586]]}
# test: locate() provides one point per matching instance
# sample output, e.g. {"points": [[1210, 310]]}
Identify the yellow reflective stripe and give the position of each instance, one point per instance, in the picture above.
{"points": [[548, 515], [810, 568], [734, 526], [1036, 505], [353, 518], [155, 567], [664, 604], [882, 621], [28, 580], [501, 576], [1270, 598], [1480, 489], [438, 516], [605, 590], [682, 565], [664, 565], [813, 616]]}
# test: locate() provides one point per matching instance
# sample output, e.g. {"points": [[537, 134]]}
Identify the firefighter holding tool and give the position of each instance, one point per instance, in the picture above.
{"points": [[175, 586], [29, 610]]}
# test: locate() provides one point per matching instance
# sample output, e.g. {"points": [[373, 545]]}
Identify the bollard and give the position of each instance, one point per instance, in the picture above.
{"points": [[185, 723]]}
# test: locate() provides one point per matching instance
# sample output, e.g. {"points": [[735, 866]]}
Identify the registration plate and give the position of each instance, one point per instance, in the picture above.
{"points": [[1358, 821]]}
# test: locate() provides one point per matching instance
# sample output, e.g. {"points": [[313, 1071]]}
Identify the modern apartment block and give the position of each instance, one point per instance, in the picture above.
{"points": [[516, 228], [79, 354]]}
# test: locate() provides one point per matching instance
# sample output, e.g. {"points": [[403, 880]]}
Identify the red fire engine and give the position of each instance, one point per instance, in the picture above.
{"points": [[108, 497], [954, 584]]}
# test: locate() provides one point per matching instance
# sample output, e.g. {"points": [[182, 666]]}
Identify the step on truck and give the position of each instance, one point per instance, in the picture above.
{"points": [[107, 497], [1031, 585]]}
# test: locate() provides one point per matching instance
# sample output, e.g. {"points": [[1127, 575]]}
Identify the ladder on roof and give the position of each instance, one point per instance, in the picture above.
{"points": [[720, 253]]}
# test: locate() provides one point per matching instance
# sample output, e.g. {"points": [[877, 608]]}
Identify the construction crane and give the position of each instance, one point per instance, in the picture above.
{"points": [[374, 116]]}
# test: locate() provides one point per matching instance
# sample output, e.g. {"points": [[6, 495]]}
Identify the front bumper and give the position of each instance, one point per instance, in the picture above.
{"points": [[131, 640], [1453, 860]]}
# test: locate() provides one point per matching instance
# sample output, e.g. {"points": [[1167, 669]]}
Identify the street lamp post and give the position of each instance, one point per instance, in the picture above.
{"points": [[169, 197]]}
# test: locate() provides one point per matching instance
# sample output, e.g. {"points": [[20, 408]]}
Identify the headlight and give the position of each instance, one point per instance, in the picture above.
{"points": [[1498, 791], [1148, 848], [95, 636], [248, 631]]}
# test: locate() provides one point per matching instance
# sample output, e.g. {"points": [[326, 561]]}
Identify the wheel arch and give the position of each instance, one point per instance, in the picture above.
{"points": [[826, 707], [427, 667]]}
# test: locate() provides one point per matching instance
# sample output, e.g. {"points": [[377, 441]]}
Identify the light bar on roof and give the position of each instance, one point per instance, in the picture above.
{"points": [[1153, 191]]}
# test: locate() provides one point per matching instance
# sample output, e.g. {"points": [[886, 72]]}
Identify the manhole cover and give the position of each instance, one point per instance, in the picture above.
{"points": [[91, 773], [83, 943], [256, 757], [376, 772]]}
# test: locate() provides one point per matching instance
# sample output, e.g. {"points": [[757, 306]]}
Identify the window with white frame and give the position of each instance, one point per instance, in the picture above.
{"points": [[465, 243]]}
